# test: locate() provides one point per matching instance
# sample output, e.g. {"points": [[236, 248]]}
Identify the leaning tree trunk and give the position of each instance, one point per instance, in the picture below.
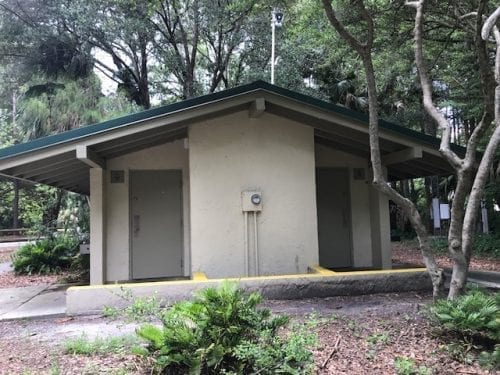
{"points": [[464, 167], [379, 181], [474, 202]]}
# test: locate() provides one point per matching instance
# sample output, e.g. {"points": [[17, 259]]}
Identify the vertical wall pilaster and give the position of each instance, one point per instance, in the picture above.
{"points": [[97, 226], [381, 230]]}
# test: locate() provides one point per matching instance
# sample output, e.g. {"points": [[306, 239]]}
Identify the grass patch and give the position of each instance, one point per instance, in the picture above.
{"points": [[84, 346], [139, 309]]}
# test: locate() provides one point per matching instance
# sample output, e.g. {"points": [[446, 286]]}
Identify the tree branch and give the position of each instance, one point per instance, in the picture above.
{"points": [[337, 25], [490, 23], [425, 82]]}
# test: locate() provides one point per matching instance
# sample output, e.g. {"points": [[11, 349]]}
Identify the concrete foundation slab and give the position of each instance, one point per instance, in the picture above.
{"points": [[31, 302], [12, 298], [92, 299]]}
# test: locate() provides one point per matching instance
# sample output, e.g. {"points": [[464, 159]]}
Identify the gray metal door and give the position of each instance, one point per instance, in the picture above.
{"points": [[156, 223], [334, 227]]}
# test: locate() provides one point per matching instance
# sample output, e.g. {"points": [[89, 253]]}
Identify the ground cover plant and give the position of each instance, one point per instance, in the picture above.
{"points": [[485, 245], [370, 334], [85, 346], [222, 331], [138, 309], [472, 324], [47, 255]]}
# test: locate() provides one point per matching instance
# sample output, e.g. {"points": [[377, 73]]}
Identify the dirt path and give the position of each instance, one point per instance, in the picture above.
{"points": [[357, 335]]}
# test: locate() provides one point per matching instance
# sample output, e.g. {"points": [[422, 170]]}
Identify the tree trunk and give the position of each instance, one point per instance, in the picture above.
{"points": [[15, 205], [460, 263], [474, 201], [462, 225], [379, 181]]}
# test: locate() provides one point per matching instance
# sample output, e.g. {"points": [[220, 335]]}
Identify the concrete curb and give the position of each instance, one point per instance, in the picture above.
{"points": [[10, 317], [92, 299], [485, 279]]}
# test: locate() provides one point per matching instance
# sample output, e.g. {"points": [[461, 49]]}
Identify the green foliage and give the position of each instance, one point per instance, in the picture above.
{"points": [[85, 346], [439, 244], [378, 338], [484, 245], [487, 245], [222, 331], [475, 314], [139, 309], [74, 215], [407, 366], [490, 360], [472, 321], [375, 342], [44, 256]]}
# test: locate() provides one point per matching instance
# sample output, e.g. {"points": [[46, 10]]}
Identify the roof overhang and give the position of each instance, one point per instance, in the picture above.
{"points": [[64, 160]]}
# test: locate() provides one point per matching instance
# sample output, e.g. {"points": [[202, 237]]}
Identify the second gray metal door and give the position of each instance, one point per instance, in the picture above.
{"points": [[334, 219]]}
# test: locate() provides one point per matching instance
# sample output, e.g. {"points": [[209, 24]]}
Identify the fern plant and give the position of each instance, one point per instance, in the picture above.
{"points": [[222, 331], [472, 321], [45, 256], [475, 314]]}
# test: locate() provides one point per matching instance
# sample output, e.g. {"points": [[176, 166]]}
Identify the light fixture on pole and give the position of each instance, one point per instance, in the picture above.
{"points": [[276, 21]]}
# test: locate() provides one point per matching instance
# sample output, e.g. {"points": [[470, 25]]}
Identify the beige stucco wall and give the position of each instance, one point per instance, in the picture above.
{"points": [[167, 156], [360, 201], [269, 154], [235, 153]]}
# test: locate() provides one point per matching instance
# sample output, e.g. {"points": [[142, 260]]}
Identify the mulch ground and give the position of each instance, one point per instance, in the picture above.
{"points": [[407, 254], [11, 280], [357, 335], [369, 344], [5, 253]]}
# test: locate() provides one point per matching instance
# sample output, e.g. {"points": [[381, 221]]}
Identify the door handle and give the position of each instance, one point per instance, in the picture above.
{"points": [[136, 225]]}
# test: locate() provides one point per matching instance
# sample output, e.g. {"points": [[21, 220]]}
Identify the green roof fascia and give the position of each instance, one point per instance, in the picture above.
{"points": [[89, 130], [118, 122], [360, 116]]}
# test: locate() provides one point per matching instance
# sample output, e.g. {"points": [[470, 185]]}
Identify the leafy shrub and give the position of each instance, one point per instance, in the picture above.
{"points": [[487, 245], [439, 244], [473, 315], [45, 256], [490, 360], [221, 331], [484, 244], [472, 321]]}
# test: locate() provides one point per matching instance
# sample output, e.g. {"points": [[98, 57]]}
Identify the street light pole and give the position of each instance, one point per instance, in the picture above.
{"points": [[276, 21], [273, 28]]}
